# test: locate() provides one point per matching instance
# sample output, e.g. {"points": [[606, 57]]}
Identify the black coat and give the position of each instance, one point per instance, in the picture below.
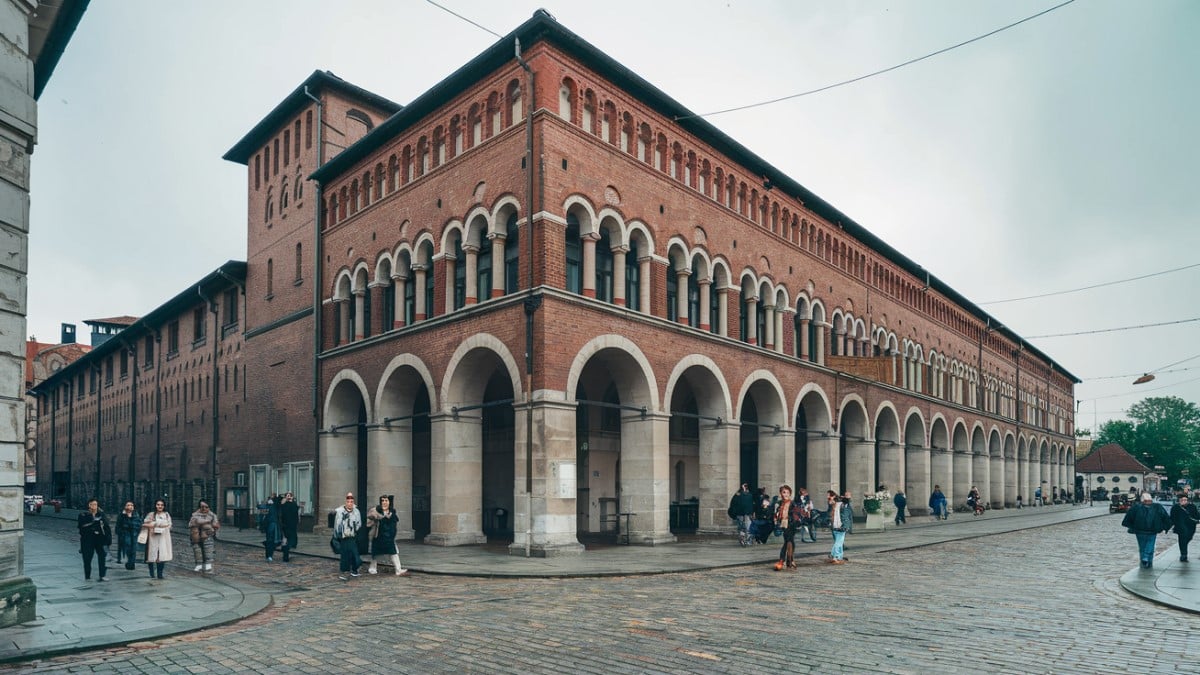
{"points": [[289, 518], [1185, 518], [742, 504], [1146, 519], [94, 530]]}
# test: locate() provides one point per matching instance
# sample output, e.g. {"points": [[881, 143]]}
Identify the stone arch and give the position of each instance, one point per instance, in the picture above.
{"points": [[765, 454], [816, 451], [856, 446], [341, 441], [889, 456], [697, 398]]}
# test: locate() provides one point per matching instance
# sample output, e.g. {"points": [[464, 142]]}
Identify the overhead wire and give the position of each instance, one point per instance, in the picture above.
{"points": [[877, 72], [1088, 288], [1112, 330], [1121, 377], [454, 13], [1139, 392]]}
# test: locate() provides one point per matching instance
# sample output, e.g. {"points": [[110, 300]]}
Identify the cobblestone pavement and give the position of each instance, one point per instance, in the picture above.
{"points": [[1034, 601]]}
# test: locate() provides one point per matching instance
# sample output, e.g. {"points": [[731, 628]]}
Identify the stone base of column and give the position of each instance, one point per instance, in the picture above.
{"points": [[455, 538], [18, 601], [649, 538], [562, 550], [406, 535], [717, 530]]}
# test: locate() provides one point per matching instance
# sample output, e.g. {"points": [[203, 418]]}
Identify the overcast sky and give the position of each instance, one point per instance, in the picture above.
{"points": [[1058, 154]]}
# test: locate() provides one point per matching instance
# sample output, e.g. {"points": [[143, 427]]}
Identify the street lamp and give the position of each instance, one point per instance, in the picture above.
{"points": [[1144, 379]]}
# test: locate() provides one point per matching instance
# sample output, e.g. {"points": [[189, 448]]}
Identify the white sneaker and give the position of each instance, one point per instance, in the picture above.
{"points": [[372, 570], [198, 568], [208, 567]]}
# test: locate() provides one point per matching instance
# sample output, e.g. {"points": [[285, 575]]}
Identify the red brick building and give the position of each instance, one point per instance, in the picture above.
{"points": [[548, 296]]}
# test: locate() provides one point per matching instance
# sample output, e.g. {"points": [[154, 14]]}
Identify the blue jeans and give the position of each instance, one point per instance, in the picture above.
{"points": [[1146, 546], [839, 537], [350, 562]]}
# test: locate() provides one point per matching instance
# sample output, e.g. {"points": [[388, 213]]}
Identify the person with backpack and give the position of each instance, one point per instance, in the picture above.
{"points": [[806, 515], [741, 510], [764, 511]]}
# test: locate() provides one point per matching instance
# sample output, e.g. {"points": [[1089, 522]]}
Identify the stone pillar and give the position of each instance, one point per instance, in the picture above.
{"points": [[891, 465], [821, 333], [338, 471], [498, 265], [802, 338], [359, 314], [681, 295], [554, 481], [705, 300], [619, 274], [917, 483], [1011, 481], [645, 285], [401, 284], [450, 263], [456, 471], [419, 294], [780, 312], [776, 458], [860, 467], [389, 470], [719, 462], [981, 476], [941, 471], [824, 467], [471, 251], [645, 477], [996, 480], [962, 477], [589, 263], [768, 340], [344, 322], [751, 309]]}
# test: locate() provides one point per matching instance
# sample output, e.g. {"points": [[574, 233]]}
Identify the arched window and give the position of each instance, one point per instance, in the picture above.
{"points": [[672, 295], [283, 196], [743, 323], [574, 250], [410, 302], [565, 96], [693, 298], [512, 256], [514, 102], [633, 276], [388, 320], [270, 277], [460, 274], [483, 271]]}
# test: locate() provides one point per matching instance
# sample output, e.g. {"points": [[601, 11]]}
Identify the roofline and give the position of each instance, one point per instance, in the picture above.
{"points": [[542, 26], [244, 149], [66, 21], [232, 272]]}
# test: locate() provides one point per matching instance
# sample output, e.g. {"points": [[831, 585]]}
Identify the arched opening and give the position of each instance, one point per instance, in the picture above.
{"points": [[857, 451], [962, 467], [916, 464], [941, 457], [498, 438], [995, 471], [889, 453], [980, 466], [816, 447]]}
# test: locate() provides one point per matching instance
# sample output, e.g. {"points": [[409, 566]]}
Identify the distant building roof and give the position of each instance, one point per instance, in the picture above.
{"points": [[114, 321], [69, 352], [1110, 458]]}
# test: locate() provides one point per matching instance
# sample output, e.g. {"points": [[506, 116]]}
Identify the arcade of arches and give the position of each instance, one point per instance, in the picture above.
{"points": [[625, 437]]}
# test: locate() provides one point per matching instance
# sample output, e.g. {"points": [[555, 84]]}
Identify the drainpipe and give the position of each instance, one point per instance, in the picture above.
{"points": [[317, 324], [216, 399], [99, 422], [532, 301], [157, 408], [131, 349]]}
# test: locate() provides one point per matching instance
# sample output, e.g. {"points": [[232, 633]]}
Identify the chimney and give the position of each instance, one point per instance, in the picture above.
{"points": [[68, 334]]}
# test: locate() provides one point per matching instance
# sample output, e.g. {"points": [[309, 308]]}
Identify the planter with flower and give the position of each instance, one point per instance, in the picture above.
{"points": [[875, 505]]}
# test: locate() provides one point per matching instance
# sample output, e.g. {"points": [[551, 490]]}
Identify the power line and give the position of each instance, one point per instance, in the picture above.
{"points": [[1156, 370], [454, 13], [1088, 288], [1112, 330], [877, 72], [1139, 392], [1121, 377]]}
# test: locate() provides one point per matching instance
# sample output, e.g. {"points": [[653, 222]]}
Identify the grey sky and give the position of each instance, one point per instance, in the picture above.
{"points": [[1058, 154]]}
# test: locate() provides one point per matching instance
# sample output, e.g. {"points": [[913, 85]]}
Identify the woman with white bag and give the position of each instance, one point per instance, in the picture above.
{"points": [[157, 530]]}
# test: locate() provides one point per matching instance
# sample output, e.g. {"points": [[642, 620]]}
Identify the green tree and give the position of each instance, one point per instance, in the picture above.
{"points": [[1167, 432], [1121, 432]]}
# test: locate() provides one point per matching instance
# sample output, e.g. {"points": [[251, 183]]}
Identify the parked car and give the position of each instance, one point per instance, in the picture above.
{"points": [[1119, 503], [33, 503]]}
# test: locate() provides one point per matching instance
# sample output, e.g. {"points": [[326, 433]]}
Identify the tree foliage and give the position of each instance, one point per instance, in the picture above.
{"points": [[1164, 431]]}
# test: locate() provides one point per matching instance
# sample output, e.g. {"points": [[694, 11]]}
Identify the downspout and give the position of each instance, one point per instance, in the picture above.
{"points": [[318, 338], [157, 409], [99, 423], [53, 438], [70, 447], [216, 375], [133, 416], [532, 301]]}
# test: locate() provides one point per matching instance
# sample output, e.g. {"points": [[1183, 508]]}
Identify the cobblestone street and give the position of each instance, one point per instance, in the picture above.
{"points": [[1037, 600]]}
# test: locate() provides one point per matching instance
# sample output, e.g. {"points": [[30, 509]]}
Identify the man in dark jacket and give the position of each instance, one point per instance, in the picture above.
{"points": [[901, 503], [289, 523], [95, 536], [741, 509], [1146, 520], [1185, 516]]}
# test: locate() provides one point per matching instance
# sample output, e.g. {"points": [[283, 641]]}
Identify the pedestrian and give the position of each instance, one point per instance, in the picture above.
{"points": [[381, 525], [974, 501], [1146, 520], [806, 515], [937, 503], [95, 536], [787, 519], [346, 524], [1184, 516], [268, 524], [129, 521], [901, 503], [741, 510], [289, 524], [762, 517], [1037, 496], [157, 524], [202, 530], [838, 513], [1019, 501], [847, 501]]}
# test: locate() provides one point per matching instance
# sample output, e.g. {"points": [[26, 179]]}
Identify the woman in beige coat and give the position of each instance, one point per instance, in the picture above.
{"points": [[158, 540]]}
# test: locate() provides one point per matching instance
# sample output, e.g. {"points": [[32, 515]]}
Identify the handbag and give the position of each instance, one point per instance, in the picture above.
{"points": [[143, 536], [335, 545]]}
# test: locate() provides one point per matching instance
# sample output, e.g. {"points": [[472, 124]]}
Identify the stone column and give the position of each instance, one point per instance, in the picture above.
{"points": [[705, 301], [344, 328], [723, 308], [589, 263], [681, 295], [456, 471], [450, 263], [860, 469], [1011, 481], [554, 481], [471, 251], [941, 471], [719, 462], [338, 470], [645, 477], [751, 309], [917, 478], [419, 294], [981, 476], [780, 312], [619, 274], [891, 465], [824, 466], [645, 285], [776, 458], [962, 477], [389, 470], [498, 265], [822, 331], [996, 480], [401, 284], [768, 340], [802, 338]]}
